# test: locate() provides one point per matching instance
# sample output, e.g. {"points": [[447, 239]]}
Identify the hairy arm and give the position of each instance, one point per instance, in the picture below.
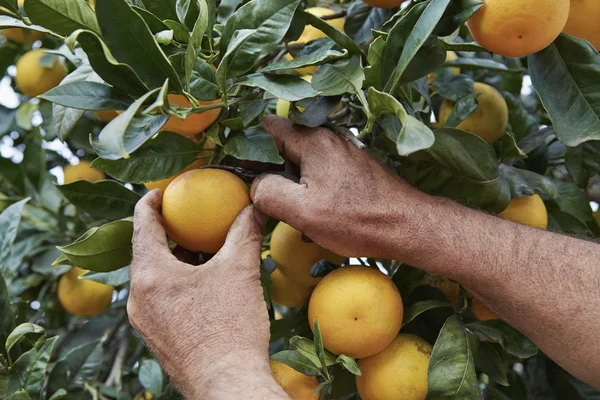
{"points": [[544, 284]]}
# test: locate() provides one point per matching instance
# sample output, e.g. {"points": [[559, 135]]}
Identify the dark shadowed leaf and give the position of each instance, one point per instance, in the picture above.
{"points": [[489, 361], [583, 162], [511, 340], [462, 109], [29, 370], [69, 365], [420, 307], [254, 144], [362, 19]]}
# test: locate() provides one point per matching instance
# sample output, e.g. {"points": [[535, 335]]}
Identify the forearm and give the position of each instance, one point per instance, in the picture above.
{"points": [[542, 283], [237, 376]]}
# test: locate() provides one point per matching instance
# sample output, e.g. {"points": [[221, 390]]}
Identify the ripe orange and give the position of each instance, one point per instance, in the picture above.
{"points": [[297, 385], [528, 210], [195, 123], [359, 311], [82, 171], [33, 79], [583, 21], [199, 207], [295, 257], [516, 28], [481, 311], [22, 36], [83, 297], [287, 292], [397, 372], [490, 118]]}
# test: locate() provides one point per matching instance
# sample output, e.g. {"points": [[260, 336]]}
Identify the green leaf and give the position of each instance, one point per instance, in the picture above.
{"points": [[69, 366], [59, 394], [526, 183], [451, 367], [21, 331], [238, 39], [307, 348], [151, 377], [131, 41], [344, 76], [573, 200], [509, 148], [114, 278], [297, 361], [103, 249], [163, 9], [24, 115], [362, 19], [254, 144], [583, 162], [511, 340], [562, 222], [464, 46], [9, 222], [103, 199], [522, 124], [571, 67], [461, 166], [468, 63], [321, 56], [489, 361], [317, 112], [195, 41], [119, 75], [418, 35], [269, 21], [19, 395], [349, 364], [336, 35], [62, 16], [126, 133], [420, 307], [454, 87], [462, 109], [413, 136], [29, 370], [166, 155], [319, 349], [286, 87], [203, 82], [154, 23], [10, 22], [88, 96]]}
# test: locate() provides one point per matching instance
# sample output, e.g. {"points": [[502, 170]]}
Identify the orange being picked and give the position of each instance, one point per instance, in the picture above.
{"points": [[517, 28], [82, 171], [195, 123], [199, 207], [359, 310], [527, 210], [397, 372]]}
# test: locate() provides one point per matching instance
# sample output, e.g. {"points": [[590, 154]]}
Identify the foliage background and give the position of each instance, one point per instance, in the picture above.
{"points": [[378, 69]]}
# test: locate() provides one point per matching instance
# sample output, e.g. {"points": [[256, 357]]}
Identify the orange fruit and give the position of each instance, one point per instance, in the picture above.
{"points": [[106, 115], [397, 372], [83, 297], [33, 79], [297, 385], [528, 210], [583, 21], [22, 36], [82, 171], [295, 257], [195, 123], [516, 28], [359, 311], [287, 292], [199, 207]]}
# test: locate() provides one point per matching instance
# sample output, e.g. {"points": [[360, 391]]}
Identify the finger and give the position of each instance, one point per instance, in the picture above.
{"points": [[291, 139], [279, 197], [150, 246], [245, 237]]}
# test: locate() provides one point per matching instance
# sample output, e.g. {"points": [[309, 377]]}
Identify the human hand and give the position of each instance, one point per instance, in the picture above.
{"points": [[346, 200], [208, 325]]}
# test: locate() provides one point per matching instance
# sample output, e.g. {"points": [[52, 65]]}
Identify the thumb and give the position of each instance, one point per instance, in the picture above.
{"points": [[245, 236], [278, 197]]}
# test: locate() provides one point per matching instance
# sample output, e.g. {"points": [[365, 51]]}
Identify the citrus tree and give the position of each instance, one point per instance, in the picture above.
{"points": [[494, 105]]}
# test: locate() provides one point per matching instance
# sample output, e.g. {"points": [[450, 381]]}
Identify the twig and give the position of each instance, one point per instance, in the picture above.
{"points": [[112, 333], [339, 14], [115, 373], [137, 353], [345, 133], [340, 114], [280, 55]]}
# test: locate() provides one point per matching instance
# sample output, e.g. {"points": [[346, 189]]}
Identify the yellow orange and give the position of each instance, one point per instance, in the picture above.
{"points": [[195, 123], [199, 207], [527, 210], [398, 372], [287, 292], [359, 311], [490, 118], [297, 385], [82, 171], [83, 297], [481, 311], [33, 79], [22, 36], [516, 28], [106, 115], [295, 257], [583, 21]]}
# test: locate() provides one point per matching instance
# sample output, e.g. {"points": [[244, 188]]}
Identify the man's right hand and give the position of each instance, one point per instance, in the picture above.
{"points": [[346, 200]]}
